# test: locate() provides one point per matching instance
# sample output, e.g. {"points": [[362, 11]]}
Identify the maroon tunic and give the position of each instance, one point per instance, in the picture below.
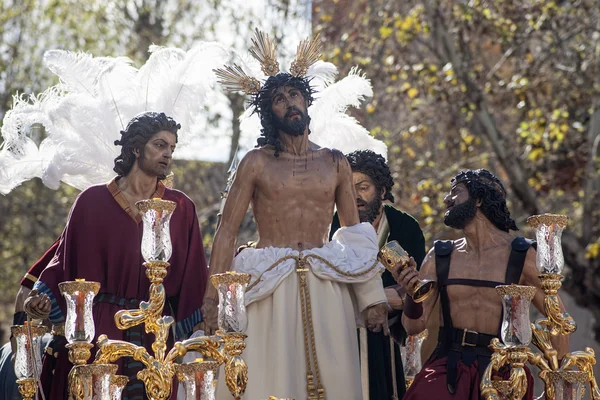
{"points": [[102, 242], [430, 383]]}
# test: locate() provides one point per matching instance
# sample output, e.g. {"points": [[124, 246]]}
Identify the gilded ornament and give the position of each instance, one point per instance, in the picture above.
{"points": [[156, 204], [264, 49], [229, 277], [27, 388], [79, 286], [308, 52], [516, 290], [548, 219], [568, 376]]}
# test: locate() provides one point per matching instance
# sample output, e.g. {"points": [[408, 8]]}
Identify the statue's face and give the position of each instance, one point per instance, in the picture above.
{"points": [[368, 201], [154, 158], [460, 207], [289, 111]]}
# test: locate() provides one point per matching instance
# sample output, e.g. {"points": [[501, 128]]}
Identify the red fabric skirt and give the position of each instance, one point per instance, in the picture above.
{"points": [[430, 383]]}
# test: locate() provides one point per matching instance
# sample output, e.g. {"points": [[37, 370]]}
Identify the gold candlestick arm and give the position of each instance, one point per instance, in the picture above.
{"points": [[210, 347], [111, 350], [541, 339], [149, 311]]}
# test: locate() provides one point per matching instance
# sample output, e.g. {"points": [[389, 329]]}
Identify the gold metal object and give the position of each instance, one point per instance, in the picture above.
{"points": [[392, 254], [264, 49], [307, 53], [229, 277], [516, 290], [156, 204], [234, 79], [27, 388], [79, 286], [536, 221], [575, 367]]}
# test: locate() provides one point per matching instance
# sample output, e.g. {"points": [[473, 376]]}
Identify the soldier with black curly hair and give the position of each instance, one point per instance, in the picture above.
{"points": [[102, 243], [373, 184], [466, 271]]}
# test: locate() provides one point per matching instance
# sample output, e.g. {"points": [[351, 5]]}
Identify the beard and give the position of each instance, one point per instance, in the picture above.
{"points": [[370, 211], [295, 127], [460, 215]]}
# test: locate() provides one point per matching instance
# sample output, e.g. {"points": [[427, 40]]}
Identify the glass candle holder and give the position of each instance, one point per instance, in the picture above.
{"points": [[516, 326], [79, 296], [411, 355], [198, 379], [156, 236], [96, 380], [392, 254], [231, 287], [117, 384], [548, 233], [568, 385], [28, 357]]}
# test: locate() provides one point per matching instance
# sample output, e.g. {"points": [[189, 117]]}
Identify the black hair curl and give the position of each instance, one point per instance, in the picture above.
{"points": [[374, 166], [486, 187], [137, 133], [262, 102]]}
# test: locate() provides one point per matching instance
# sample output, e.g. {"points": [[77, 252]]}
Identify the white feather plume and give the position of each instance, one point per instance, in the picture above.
{"points": [[78, 72], [96, 98], [20, 157], [322, 74]]}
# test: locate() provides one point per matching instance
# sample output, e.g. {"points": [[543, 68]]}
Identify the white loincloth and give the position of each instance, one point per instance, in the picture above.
{"points": [[275, 351]]}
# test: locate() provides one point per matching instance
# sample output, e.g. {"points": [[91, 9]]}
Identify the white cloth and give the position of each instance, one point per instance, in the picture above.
{"points": [[275, 352]]}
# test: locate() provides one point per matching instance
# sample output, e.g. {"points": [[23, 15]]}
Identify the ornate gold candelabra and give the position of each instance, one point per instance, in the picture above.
{"points": [[28, 358], [563, 380], [225, 347]]}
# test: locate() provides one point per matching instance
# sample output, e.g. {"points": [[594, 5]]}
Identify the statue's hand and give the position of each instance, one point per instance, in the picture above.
{"points": [[377, 318], [210, 316], [37, 306]]}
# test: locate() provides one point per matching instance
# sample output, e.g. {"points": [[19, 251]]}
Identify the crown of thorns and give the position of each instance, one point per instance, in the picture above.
{"points": [[264, 49], [476, 176]]}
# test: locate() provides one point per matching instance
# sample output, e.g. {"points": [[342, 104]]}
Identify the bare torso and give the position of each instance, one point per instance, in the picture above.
{"points": [[483, 304], [294, 198]]}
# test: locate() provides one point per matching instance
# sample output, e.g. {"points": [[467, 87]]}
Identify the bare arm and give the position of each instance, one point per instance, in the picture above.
{"points": [[345, 197], [235, 208], [407, 278], [530, 277]]}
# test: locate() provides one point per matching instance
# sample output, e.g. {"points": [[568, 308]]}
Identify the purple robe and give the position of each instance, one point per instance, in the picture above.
{"points": [[102, 243]]}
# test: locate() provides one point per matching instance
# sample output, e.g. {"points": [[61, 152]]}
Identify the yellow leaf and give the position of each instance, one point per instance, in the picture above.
{"points": [[535, 154], [427, 210], [412, 93], [385, 32], [593, 250]]}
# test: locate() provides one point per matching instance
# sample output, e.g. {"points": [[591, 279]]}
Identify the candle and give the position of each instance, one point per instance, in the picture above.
{"points": [[79, 298], [79, 316]]}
